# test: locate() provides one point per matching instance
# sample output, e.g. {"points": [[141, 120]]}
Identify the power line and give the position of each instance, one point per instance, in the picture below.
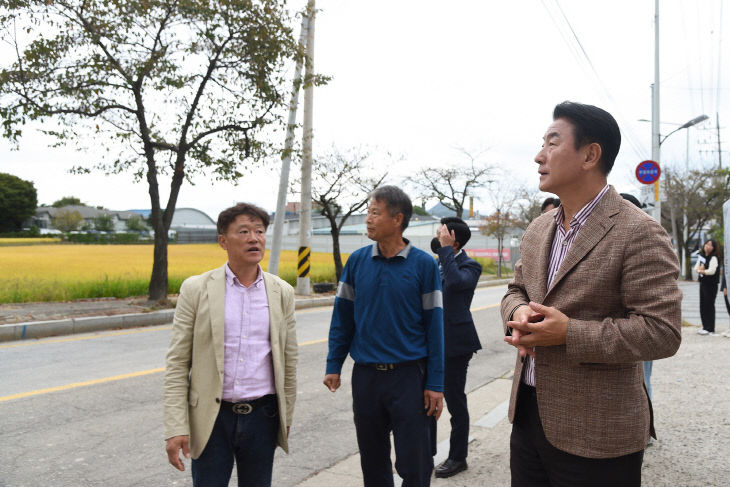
{"points": [[583, 57]]}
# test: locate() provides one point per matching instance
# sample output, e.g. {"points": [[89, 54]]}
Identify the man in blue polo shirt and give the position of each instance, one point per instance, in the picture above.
{"points": [[388, 316]]}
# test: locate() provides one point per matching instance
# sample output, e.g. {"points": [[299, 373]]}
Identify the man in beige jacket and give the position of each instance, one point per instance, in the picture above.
{"points": [[230, 382], [593, 296]]}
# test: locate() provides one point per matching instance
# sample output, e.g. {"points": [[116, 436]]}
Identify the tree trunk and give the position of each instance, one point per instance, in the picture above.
{"points": [[687, 264], [336, 251], [499, 255], [675, 233], [158, 280]]}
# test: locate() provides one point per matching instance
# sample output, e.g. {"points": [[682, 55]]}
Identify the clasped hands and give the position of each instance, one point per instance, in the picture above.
{"points": [[535, 325]]}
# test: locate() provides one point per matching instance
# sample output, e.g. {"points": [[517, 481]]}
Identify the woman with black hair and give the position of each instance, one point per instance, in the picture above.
{"points": [[707, 269]]}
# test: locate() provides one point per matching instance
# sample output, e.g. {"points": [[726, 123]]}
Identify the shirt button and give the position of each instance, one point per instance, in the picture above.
{"points": [[240, 360]]}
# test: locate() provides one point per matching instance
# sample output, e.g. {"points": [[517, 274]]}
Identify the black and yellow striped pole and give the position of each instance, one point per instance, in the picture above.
{"points": [[303, 262]]}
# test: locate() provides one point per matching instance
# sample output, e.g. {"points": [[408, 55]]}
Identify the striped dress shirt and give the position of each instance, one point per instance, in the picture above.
{"points": [[562, 241]]}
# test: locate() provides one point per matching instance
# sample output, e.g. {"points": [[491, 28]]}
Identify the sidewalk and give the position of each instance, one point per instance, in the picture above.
{"points": [[691, 407]]}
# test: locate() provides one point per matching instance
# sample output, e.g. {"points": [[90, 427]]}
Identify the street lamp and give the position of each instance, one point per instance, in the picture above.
{"points": [[687, 125]]}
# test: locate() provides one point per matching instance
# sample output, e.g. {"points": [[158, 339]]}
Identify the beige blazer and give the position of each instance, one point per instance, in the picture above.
{"points": [[618, 286], [194, 373]]}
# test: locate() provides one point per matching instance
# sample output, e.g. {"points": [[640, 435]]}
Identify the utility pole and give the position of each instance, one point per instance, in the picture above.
{"points": [[305, 216], [276, 245], [719, 147], [655, 141]]}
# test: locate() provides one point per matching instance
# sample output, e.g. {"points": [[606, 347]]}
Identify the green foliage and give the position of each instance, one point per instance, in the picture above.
{"points": [[418, 210], [67, 221], [105, 238], [32, 232], [18, 201], [136, 224], [179, 88], [489, 266], [104, 222], [700, 193], [67, 201]]}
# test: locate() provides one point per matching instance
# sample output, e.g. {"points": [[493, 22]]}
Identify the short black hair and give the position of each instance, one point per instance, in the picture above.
{"points": [[227, 216], [631, 198], [592, 125], [550, 201], [396, 201], [460, 229]]}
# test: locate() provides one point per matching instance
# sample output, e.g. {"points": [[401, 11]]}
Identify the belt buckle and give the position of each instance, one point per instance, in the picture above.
{"points": [[243, 408], [383, 367]]}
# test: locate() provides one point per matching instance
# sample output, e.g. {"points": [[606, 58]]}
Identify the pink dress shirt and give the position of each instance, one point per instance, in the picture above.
{"points": [[248, 372], [562, 242]]}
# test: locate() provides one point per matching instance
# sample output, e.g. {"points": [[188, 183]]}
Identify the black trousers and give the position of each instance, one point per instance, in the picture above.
{"points": [[392, 400], [708, 293], [454, 385], [535, 462]]}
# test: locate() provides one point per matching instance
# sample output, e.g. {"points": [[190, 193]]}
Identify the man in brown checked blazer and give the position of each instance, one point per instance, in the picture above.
{"points": [[594, 294]]}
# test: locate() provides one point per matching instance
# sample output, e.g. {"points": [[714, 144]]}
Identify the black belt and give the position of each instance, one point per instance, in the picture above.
{"points": [[249, 406], [386, 367]]}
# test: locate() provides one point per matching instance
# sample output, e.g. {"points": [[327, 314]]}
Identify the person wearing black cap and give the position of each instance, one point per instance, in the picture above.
{"points": [[459, 277]]}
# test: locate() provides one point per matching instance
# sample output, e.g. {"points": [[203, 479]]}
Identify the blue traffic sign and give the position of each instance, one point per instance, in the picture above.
{"points": [[648, 172]]}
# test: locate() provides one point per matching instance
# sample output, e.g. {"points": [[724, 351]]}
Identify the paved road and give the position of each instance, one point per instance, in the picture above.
{"points": [[86, 410]]}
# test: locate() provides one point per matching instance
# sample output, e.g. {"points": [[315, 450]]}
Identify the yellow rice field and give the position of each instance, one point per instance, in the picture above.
{"points": [[63, 272]]}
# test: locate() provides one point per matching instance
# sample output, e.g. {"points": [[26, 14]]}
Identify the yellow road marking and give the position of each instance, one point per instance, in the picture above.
{"points": [[79, 384], [103, 380], [313, 342], [485, 307], [132, 374]]}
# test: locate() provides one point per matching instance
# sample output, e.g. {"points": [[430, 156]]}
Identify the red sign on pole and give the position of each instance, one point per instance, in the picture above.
{"points": [[648, 172]]}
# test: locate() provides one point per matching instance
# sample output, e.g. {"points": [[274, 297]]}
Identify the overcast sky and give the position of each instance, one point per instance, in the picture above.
{"points": [[418, 78]]}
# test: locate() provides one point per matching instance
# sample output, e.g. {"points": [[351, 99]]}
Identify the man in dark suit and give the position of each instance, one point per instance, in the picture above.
{"points": [[459, 276]]}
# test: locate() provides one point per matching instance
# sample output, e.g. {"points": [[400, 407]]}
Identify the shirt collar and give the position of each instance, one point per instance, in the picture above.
{"points": [[582, 215], [403, 253], [233, 280]]}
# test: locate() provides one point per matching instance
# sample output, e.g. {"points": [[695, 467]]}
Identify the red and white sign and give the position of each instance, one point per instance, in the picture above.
{"points": [[648, 172], [491, 253]]}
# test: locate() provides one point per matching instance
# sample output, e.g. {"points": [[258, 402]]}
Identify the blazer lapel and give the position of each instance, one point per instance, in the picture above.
{"points": [[273, 295], [543, 262], [592, 232], [216, 309]]}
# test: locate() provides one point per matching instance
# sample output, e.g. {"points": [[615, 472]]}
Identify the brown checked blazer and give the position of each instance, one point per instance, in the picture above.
{"points": [[194, 373], [618, 286]]}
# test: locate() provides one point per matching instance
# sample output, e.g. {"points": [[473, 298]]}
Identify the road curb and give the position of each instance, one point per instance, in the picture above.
{"points": [[70, 326], [87, 324]]}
